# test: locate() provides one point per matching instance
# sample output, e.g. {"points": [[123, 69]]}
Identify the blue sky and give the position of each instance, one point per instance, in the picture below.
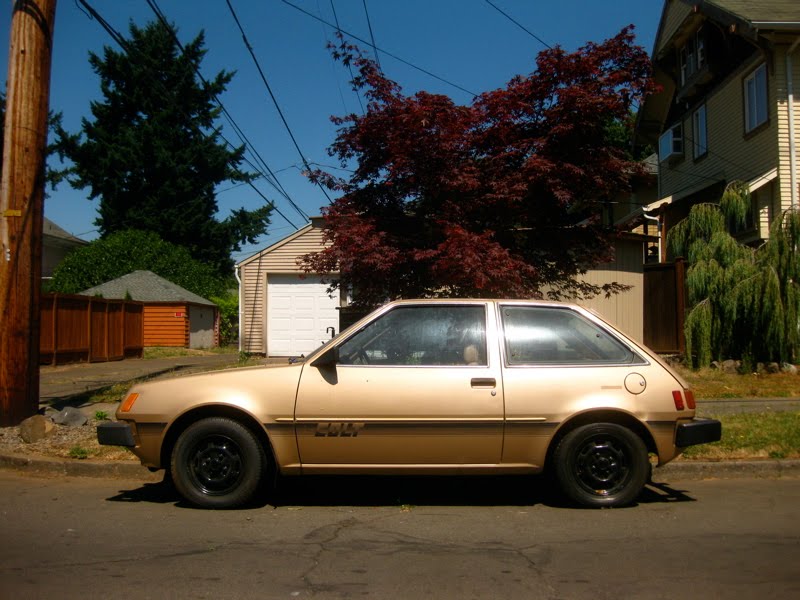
{"points": [[466, 42]]}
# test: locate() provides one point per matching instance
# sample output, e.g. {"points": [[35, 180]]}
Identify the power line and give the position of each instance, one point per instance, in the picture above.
{"points": [[518, 24], [333, 65], [372, 35], [376, 49], [274, 182], [127, 48], [349, 66], [272, 95], [93, 14]]}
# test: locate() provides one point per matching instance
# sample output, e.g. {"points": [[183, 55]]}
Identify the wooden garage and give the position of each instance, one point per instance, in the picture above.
{"points": [[173, 316]]}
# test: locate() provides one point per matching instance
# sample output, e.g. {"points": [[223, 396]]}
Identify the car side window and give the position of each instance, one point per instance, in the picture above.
{"points": [[420, 335], [558, 336]]}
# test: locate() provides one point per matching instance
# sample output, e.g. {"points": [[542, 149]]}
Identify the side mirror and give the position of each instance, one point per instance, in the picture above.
{"points": [[329, 358]]}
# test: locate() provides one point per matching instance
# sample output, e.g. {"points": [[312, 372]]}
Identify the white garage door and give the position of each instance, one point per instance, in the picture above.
{"points": [[299, 311]]}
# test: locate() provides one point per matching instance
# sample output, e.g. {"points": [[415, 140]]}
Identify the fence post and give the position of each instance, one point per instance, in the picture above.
{"points": [[107, 336], [54, 359]]}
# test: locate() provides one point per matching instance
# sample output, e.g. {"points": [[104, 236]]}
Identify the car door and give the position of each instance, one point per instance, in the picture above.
{"points": [[559, 363], [419, 385]]}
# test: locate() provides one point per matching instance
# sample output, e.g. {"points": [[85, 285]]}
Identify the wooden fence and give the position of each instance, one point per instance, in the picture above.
{"points": [[665, 306], [82, 328]]}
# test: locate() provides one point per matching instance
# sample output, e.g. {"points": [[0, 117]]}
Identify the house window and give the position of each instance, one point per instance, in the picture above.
{"points": [[670, 144], [755, 98], [700, 47], [692, 56], [700, 141]]}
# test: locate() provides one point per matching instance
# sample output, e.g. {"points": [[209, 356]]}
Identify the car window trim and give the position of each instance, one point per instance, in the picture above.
{"points": [[486, 333]]}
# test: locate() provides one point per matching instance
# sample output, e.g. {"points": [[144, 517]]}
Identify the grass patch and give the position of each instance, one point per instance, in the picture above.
{"points": [[78, 452], [112, 393], [170, 352], [712, 383], [753, 435]]}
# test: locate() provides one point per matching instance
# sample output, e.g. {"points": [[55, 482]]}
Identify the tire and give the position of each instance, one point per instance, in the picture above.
{"points": [[217, 463], [601, 465]]}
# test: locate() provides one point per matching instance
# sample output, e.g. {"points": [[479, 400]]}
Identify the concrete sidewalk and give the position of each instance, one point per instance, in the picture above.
{"points": [[62, 385]]}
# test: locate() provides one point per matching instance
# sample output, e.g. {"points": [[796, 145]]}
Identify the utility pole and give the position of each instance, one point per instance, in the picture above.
{"points": [[22, 206]]}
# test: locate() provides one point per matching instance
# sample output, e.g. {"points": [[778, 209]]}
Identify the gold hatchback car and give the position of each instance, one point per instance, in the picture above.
{"points": [[427, 387]]}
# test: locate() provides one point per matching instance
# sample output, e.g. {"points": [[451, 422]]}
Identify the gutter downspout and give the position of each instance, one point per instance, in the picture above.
{"points": [[239, 281], [792, 140], [658, 229]]}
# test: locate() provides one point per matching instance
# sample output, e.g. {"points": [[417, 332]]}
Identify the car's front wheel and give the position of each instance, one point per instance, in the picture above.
{"points": [[601, 464], [217, 463]]}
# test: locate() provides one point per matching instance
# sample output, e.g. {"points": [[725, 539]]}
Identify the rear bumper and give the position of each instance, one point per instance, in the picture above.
{"points": [[698, 431], [115, 434]]}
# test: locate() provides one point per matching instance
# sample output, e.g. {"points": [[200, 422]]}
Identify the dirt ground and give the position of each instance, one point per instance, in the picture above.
{"points": [[79, 443]]}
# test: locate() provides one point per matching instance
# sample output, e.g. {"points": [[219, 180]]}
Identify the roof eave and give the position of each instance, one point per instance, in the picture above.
{"points": [[276, 245]]}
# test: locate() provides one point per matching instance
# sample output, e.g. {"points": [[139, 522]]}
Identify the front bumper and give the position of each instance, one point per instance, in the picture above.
{"points": [[115, 434], [698, 431]]}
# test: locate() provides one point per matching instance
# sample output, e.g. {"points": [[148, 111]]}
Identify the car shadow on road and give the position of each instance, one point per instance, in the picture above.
{"points": [[662, 492], [370, 491], [161, 492], [427, 490], [400, 491]]}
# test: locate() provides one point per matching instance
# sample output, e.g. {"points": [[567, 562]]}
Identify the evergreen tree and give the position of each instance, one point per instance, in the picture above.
{"points": [[152, 153], [745, 302]]}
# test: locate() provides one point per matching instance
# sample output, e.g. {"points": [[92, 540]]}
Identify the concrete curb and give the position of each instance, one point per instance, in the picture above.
{"points": [[683, 470], [733, 469], [109, 469]]}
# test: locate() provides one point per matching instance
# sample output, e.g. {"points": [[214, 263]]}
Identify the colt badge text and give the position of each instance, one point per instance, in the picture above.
{"points": [[338, 429]]}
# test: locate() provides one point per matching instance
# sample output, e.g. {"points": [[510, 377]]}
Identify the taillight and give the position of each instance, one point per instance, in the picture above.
{"points": [[690, 399], [678, 399]]}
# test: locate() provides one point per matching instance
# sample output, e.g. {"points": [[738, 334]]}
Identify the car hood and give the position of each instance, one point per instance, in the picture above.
{"points": [[261, 391]]}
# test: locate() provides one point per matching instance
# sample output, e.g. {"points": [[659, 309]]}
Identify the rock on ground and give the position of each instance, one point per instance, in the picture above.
{"points": [[36, 428]]}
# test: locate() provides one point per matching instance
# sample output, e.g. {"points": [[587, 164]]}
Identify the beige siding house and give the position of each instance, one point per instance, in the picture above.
{"points": [[729, 109], [623, 310], [284, 311]]}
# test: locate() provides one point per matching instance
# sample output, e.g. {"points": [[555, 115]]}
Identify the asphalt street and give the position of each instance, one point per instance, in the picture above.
{"points": [[401, 538]]}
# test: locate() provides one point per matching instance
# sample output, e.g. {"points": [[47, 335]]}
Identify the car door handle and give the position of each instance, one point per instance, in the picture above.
{"points": [[483, 382]]}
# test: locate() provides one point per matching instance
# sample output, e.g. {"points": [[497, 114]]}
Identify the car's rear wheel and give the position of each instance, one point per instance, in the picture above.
{"points": [[601, 464], [217, 463]]}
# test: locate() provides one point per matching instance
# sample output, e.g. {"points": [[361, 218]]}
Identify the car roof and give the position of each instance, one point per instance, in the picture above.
{"points": [[528, 301]]}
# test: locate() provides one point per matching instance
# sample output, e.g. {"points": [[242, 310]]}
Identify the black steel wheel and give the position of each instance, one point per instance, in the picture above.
{"points": [[217, 463], [601, 464]]}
